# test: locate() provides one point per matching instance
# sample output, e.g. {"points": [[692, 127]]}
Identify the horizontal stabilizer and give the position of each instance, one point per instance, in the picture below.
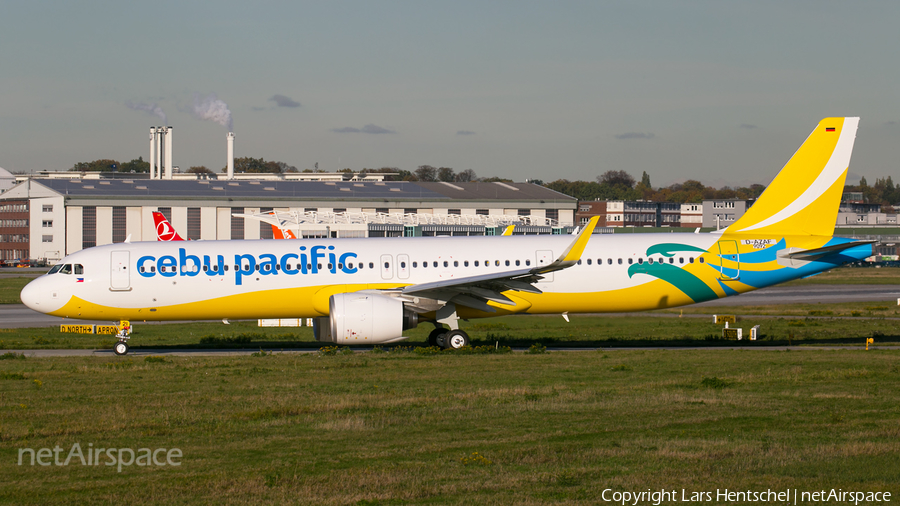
{"points": [[812, 254]]}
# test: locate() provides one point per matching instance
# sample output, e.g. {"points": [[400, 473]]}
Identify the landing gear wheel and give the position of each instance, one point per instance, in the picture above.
{"points": [[121, 348], [456, 339], [434, 335]]}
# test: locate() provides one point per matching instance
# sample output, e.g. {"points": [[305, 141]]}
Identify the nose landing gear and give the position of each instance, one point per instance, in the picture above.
{"points": [[124, 334]]}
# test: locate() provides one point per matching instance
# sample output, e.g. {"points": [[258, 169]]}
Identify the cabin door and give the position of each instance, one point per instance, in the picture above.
{"points": [[387, 266], [403, 266], [729, 261], [119, 277]]}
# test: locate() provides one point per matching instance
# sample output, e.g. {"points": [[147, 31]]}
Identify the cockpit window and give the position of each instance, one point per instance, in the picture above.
{"points": [[55, 269], [79, 269], [66, 269]]}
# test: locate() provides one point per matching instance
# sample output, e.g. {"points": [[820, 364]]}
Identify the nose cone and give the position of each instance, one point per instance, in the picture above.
{"points": [[41, 296]]}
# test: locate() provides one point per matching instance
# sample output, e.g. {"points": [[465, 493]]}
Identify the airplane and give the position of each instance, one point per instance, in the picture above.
{"points": [[368, 291], [164, 230]]}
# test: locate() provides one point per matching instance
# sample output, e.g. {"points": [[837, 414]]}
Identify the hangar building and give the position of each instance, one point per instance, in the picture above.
{"points": [[45, 219]]}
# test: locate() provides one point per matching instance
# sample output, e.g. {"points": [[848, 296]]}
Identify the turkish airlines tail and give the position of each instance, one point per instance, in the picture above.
{"points": [[164, 229], [282, 233]]}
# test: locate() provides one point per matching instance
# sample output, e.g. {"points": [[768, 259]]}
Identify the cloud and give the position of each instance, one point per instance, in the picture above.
{"points": [[283, 101], [890, 123], [256, 108], [211, 108], [153, 109], [747, 126], [368, 129], [465, 132], [634, 135]]}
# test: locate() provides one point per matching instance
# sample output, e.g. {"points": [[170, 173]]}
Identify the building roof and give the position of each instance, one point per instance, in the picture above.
{"points": [[302, 190]]}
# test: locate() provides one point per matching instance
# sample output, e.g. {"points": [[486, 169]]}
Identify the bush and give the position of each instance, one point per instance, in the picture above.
{"points": [[12, 356], [155, 360], [536, 348]]}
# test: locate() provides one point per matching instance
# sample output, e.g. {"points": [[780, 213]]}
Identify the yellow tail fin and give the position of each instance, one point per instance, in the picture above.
{"points": [[804, 197]]}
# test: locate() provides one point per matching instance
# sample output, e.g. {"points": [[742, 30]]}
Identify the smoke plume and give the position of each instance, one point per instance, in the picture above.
{"points": [[153, 109], [212, 109]]}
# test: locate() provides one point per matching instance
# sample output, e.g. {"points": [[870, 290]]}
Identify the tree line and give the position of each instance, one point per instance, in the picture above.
{"points": [[620, 185]]}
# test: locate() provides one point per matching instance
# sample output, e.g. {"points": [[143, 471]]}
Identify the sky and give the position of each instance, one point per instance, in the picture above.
{"points": [[722, 92]]}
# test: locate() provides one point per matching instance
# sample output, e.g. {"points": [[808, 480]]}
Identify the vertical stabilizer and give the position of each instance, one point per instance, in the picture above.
{"points": [[804, 197]]}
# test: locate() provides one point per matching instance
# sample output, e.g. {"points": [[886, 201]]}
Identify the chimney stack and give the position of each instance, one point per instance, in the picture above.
{"points": [[152, 152], [229, 160], [168, 133]]}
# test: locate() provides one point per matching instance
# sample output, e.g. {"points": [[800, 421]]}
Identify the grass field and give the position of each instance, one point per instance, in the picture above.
{"points": [[10, 288], [815, 324], [410, 428]]}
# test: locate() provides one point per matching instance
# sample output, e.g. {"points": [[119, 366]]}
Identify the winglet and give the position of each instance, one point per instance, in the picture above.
{"points": [[508, 230], [573, 254]]}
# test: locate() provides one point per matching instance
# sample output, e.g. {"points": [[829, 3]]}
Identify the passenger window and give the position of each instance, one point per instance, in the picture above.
{"points": [[671, 260], [497, 263], [205, 268], [330, 266], [340, 266], [507, 263], [589, 261], [387, 265], [424, 265], [403, 265], [641, 261], [456, 263], [691, 260], [319, 266], [152, 268], [466, 263], [415, 264], [517, 263], [445, 263], [79, 269], [649, 259], [476, 263], [630, 261], [371, 265], [527, 262], [226, 268], [701, 260], [681, 260], [609, 261], [579, 261]]}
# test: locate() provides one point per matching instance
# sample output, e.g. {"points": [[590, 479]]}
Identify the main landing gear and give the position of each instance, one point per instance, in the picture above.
{"points": [[448, 339]]}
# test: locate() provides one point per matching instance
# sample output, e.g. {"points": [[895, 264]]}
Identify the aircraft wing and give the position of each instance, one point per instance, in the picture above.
{"points": [[476, 291]]}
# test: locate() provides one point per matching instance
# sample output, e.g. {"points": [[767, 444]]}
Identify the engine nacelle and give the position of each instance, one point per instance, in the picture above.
{"points": [[360, 318]]}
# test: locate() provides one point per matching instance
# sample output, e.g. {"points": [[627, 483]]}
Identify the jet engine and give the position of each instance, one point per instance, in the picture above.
{"points": [[363, 318]]}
